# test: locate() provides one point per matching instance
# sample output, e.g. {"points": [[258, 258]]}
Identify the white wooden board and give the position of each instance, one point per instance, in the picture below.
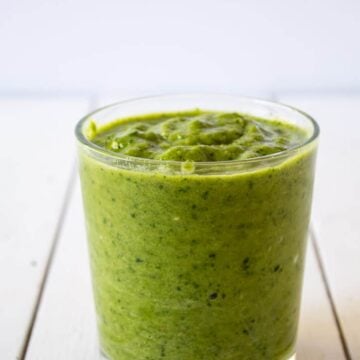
{"points": [[36, 157], [337, 204], [65, 326], [318, 337]]}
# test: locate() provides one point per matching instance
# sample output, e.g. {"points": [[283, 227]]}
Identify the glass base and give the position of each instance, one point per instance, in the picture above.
{"points": [[103, 357]]}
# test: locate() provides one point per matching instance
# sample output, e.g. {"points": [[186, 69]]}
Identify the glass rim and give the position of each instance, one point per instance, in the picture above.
{"points": [[79, 133]]}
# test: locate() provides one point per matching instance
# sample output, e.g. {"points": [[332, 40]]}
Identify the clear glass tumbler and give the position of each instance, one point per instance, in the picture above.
{"points": [[203, 261]]}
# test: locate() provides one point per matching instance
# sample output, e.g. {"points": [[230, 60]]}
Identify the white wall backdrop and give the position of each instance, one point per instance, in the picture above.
{"points": [[143, 46]]}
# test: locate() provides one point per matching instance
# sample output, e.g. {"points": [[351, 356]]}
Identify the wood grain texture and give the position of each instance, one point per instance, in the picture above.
{"points": [[36, 158], [337, 204]]}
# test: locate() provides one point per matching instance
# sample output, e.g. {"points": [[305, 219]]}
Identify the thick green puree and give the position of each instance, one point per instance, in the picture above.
{"points": [[191, 266], [197, 136]]}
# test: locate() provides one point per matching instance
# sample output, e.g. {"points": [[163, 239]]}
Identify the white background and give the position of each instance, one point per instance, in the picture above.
{"points": [[154, 46]]}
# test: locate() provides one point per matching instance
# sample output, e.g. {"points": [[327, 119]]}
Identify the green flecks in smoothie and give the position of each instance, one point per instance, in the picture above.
{"points": [[197, 136], [246, 264], [205, 195]]}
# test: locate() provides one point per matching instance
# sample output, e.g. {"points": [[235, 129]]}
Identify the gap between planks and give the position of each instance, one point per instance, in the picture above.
{"points": [[329, 295], [64, 208], [92, 101]]}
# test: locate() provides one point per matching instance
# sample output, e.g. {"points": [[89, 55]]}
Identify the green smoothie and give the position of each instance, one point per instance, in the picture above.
{"points": [[196, 265]]}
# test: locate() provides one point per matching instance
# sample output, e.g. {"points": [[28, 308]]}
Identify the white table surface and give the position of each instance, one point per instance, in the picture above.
{"points": [[46, 308]]}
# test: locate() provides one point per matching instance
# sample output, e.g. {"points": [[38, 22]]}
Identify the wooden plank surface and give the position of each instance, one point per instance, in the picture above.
{"points": [[318, 337], [65, 326], [36, 159], [337, 204]]}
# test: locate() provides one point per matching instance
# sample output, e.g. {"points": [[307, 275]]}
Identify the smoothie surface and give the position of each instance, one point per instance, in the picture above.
{"points": [[197, 135]]}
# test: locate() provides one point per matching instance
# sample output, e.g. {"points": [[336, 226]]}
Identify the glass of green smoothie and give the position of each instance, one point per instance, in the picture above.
{"points": [[197, 210]]}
